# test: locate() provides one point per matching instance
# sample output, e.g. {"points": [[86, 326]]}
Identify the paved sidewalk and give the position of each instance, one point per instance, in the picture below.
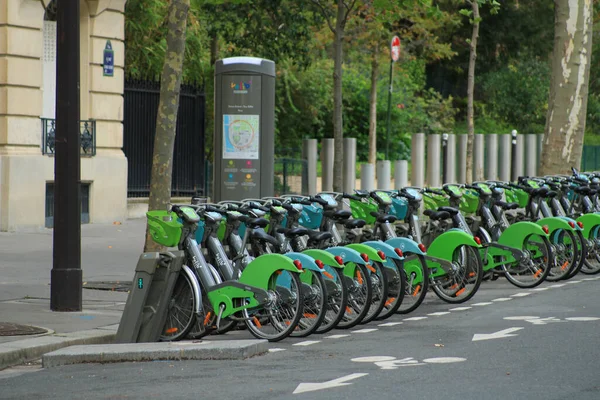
{"points": [[109, 256]]}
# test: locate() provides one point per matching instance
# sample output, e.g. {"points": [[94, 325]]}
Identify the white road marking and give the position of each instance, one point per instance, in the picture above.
{"points": [[502, 299], [414, 318], [557, 285], [460, 308], [521, 318], [365, 330], [335, 336], [573, 282], [540, 289], [582, 319], [307, 343], [373, 359], [588, 279], [496, 335], [395, 364], [275, 350], [390, 324], [435, 314], [312, 386], [444, 360], [522, 294], [485, 303]]}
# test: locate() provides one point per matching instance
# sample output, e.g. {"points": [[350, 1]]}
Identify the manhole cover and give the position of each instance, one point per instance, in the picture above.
{"points": [[117, 286], [10, 329]]}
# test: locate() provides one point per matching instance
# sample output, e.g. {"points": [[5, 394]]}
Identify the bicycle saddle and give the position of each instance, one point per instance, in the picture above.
{"points": [[339, 215], [355, 223], [317, 236], [256, 222], [436, 215], [293, 232], [507, 206], [449, 210], [383, 218], [262, 236]]}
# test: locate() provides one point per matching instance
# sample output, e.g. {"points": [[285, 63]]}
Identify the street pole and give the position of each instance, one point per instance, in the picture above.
{"points": [[66, 274], [513, 156], [389, 111], [444, 158]]}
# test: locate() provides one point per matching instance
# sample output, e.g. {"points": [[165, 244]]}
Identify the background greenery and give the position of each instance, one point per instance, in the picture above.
{"points": [[429, 88]]}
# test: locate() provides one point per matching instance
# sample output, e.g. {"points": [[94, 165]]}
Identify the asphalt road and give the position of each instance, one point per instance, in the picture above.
{"points": [[530, 344]]}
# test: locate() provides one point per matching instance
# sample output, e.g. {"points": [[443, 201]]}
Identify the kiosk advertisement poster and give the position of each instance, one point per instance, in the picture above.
{"points": [[241, 105]]}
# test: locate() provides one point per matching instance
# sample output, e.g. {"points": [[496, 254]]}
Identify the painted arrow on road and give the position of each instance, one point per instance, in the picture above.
{"points": [[496, 335], [312, 386]]}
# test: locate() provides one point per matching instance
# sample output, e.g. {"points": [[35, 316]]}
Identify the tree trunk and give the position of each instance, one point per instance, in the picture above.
{"points": [[338, 134], [166, 119], [470, 95], [373, 108], [567, 104]]}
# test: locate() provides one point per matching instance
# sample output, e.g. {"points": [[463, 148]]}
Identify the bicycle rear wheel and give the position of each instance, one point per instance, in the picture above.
{"points": [[278, 318], [582, 249], [462, 281], [417, 282], [181, 313], [592, 261]]}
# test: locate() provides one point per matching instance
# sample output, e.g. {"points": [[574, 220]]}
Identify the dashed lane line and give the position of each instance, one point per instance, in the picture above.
{"points": [[335, 336], [390, 324], [460, 308], [522, 294], [307, 343], [275, 350], [368, 330], [437, 314], [414, 318], [557, 285], [502, 299], [485, 303]]}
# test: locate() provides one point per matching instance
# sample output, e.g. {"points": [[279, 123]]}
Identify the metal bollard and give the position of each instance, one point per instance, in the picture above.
{"points": [[520, 166], [418, 159], [540, 139], [451, 160], [531, 154], [504, 170], [327, 148], [367, 177], [433, 160], [462, 158], [401, 174], [384, 175], [309, 153], [478, 157], [445, 158], [513, 156], [492, 156], [349, 183]]}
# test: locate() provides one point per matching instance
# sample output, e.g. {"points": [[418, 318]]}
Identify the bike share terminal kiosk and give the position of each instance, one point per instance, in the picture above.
{"points": [[244, 128]]}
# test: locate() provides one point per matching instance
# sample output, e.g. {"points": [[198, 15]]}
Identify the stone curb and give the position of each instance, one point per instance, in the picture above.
{"points": [[21, 351], [137, 352]]}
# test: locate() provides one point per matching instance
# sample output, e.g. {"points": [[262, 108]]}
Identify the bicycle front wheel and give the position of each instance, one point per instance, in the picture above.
{"points": [[337, 299], [535, 265], [315, 303], [463, 279], [396, 280], [181, 310], [564, 248], [417, 282], [278, 318], [592, 261], [359, 295]]}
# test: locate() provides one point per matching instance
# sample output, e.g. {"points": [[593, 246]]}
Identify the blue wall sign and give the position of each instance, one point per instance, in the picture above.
{"points": [[109, 60]]}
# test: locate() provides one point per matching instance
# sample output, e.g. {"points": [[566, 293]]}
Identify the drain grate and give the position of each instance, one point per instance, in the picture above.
{"points": [[116, 286], [10, 329]]}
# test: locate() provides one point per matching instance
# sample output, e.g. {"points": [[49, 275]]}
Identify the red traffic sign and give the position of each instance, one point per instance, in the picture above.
{"points": [[395, 48]]}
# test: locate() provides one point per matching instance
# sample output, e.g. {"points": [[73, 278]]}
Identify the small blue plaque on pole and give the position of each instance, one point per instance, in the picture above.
{"points": [[109, 60]]}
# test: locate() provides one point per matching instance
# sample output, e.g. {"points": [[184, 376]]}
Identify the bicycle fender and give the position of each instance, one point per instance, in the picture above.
{"points": [[444, 245], [568, 219], [348, 254], [366, 249], [515, 235], [590, 223], [259, 271], [196, 287], [405, 244], [325, 257], [387, 249], [554, 223], [307, 261]]}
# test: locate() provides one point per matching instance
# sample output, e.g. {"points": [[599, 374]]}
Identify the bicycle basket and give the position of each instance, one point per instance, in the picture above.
{"points": [[399, 207], [164, 227], [362, 210], [311, 217], [469, 201]]}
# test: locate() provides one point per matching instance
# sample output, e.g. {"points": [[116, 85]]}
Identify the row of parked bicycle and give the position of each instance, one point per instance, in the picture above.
{"points": [[296, 265]]}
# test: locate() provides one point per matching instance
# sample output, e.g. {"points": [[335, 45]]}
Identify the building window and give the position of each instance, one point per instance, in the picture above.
{"points": [[85, 204]]}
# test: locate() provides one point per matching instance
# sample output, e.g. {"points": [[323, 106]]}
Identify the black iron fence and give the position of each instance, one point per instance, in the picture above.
{"points": [[291, 176], [87, 130], [139, 126]]}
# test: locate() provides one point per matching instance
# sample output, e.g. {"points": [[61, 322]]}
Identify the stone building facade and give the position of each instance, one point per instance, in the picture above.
{"points": [[27, 105]]}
